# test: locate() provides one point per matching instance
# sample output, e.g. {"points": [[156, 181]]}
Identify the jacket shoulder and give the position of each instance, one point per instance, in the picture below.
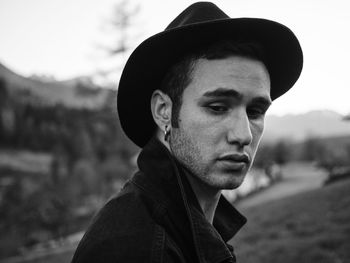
{"points": [[123, 231]]}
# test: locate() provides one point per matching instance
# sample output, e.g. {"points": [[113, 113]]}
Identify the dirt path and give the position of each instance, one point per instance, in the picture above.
{"points": [[297, 177]]}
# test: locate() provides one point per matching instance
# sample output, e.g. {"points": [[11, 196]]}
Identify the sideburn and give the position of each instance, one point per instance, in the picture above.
{"points": [[175, 112]]}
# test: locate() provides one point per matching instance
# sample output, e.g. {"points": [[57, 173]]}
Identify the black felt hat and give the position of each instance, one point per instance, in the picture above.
{"points": [[200, 24]]}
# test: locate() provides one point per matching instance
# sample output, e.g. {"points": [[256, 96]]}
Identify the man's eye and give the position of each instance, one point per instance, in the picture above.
{"points": [[256, 113], [217, 108]]}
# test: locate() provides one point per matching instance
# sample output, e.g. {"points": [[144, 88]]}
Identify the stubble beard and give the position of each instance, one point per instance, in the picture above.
{"points": [[189, 154], [186, 152]]}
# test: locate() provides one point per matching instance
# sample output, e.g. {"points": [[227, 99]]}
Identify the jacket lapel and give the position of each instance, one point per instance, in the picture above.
{"points": [[179, 211]]}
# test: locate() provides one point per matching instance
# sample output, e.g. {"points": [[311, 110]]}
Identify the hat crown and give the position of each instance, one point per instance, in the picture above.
{"points": [[197, 13]]}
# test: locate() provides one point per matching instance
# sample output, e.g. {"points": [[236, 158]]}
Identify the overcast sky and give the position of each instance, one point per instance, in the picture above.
{"points": [[62, 38]]}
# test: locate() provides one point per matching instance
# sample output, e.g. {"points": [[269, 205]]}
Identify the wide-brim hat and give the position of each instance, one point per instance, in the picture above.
{"points": [[200, 24]]}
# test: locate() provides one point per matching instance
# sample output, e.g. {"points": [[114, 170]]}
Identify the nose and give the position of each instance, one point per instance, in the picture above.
{"points": [[239, 131]]}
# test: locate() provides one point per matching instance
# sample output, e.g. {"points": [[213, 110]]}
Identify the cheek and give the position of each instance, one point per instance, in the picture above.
{"points": [[194, 119], [201, 129]]}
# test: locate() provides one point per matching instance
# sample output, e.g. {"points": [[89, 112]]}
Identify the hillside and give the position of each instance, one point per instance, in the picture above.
{"points": [[77, 93], [305, 228], [300, 126], [310, 227], [82, 93]]}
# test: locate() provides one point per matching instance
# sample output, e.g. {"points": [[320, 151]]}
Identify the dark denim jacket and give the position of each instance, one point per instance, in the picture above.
{"points": [[157, 218]]}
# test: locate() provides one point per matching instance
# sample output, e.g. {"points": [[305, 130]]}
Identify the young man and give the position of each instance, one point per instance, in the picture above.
{"points": [[193, 97]]}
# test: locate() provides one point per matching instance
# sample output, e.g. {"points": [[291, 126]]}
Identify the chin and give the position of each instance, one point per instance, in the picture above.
{"points": [[233, 182], [231, 186]]}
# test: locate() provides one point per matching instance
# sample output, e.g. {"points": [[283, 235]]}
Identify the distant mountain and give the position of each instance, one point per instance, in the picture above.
{"points": [[76, 93], [312, 124], [81, 92]]}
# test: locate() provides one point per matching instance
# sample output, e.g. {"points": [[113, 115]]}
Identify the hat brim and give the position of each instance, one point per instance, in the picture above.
{"points": [[148, 64]]}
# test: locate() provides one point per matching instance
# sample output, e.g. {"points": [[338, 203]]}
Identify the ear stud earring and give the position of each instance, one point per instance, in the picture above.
{"points": [[166, 132]]}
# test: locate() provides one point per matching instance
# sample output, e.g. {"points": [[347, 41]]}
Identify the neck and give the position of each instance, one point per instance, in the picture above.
{"points": [[208, 198]]}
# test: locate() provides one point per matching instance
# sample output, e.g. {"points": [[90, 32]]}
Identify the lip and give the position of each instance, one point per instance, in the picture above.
{"points": [[235, 157], [235, 161]]}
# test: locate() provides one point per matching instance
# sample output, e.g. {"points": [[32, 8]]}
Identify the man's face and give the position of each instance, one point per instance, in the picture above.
{"points": [[221, 120]]}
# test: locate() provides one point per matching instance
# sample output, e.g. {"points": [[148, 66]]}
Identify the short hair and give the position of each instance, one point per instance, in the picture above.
{"points": [[179, 76]]}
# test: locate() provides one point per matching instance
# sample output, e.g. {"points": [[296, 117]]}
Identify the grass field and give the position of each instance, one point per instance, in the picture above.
{"points": [[308, 227]]}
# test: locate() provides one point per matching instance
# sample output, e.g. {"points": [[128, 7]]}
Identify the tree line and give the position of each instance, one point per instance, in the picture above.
{"points": [[90, 160]]}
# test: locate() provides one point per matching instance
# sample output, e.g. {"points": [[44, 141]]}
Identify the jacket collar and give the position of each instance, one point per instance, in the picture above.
{"points": [[163, 178]]}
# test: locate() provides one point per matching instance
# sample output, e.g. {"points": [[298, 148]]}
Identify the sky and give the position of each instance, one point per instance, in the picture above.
{"points": [[68, 38]]}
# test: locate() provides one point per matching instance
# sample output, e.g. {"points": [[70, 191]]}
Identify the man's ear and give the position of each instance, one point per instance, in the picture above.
{"points": [[161, 106]]}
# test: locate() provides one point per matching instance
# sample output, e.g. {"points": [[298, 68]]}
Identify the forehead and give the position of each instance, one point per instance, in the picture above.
{"points": [[246, 76]]}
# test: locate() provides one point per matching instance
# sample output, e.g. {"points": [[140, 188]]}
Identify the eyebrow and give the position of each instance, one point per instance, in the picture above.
{"points": [[221, 92], [230, 93], [262, 100]]}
